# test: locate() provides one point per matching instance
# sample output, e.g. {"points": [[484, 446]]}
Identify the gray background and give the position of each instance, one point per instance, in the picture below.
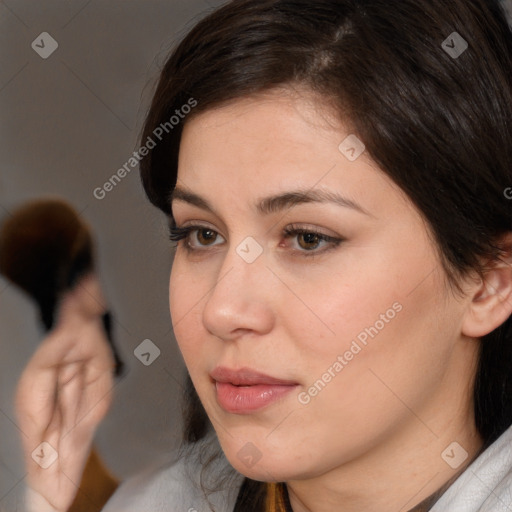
{"points": [[67, 124]]}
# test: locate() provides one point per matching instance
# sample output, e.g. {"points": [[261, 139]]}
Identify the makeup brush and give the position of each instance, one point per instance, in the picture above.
{"points": [[45, 249]]}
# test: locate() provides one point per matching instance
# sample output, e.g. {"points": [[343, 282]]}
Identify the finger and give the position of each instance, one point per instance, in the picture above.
{"points": [[52, 351], [90, 345], [98, 398], [69, 393], [35, 400]]}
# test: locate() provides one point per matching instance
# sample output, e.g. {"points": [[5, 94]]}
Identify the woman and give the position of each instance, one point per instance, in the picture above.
{"points": [[342, 287]]}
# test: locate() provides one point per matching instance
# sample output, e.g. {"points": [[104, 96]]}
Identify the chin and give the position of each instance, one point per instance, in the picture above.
{"points": [[263, 472], [258, 460]]}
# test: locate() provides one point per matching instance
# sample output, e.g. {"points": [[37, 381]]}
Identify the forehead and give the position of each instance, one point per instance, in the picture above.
{"points": [[271, 144], [277, 131], [279, 111]]}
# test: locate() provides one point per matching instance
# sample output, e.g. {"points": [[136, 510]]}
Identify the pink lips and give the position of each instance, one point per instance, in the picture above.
{"points": [[244, 391]]}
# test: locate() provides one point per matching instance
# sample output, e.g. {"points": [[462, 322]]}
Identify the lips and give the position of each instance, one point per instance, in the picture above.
{"points": [[246, 391], [247, 377]]}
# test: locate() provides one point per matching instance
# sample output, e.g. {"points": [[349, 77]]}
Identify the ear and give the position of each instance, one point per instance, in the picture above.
{"points": [[491, 302]]}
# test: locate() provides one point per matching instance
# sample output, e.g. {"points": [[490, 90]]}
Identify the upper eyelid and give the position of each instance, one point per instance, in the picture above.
{"points": [[196, 222], [290, 229], [308, 228], [189, 228], [195, 225]]}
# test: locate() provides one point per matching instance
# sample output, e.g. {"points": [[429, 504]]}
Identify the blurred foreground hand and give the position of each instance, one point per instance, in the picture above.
{"points": [[63, 394]]}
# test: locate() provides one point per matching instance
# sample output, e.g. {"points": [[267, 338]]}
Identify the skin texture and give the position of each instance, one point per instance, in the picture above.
{"points": [[372, 438]]}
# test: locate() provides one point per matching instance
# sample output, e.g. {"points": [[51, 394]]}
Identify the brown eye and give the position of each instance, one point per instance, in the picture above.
{"points": [[309, 241], [206, 236]]}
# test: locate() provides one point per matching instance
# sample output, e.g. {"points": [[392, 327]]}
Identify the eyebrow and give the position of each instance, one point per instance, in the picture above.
{"points": [[281, 202], [180, 194], [276, 203]]}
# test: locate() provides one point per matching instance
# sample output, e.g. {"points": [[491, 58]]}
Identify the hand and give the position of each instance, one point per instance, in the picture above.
{"points": [[63, 394]]}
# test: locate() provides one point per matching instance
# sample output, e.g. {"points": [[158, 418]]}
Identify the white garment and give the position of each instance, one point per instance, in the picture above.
{"points": [[176, 487], [485, 486]]}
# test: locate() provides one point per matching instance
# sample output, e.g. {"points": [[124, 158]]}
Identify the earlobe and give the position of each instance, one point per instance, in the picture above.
{"points": [[491, 304]]}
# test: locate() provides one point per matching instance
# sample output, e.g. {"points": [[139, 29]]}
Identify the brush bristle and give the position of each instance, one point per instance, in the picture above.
{"points": [[44, 248]]}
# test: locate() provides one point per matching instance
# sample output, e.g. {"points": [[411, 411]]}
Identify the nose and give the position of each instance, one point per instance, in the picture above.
{"points": [[241, 300]]}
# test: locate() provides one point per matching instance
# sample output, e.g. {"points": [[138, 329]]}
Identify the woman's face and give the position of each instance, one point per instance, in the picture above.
{"points": [[306, 263]]}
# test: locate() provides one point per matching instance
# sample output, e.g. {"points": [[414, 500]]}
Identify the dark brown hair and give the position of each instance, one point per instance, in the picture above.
{"points": [[438, 124]]}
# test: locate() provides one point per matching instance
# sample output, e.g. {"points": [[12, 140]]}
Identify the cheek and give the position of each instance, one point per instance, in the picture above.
{"points": [[374, 321], [185, 301], [391, 345], [331, 311]]}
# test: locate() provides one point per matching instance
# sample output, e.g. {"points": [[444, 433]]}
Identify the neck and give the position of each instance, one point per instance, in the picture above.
{"points": [[429, 502], [407, 475]]}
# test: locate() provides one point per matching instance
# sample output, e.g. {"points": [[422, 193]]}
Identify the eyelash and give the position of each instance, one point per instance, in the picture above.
{"points": [[178, 234]]}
